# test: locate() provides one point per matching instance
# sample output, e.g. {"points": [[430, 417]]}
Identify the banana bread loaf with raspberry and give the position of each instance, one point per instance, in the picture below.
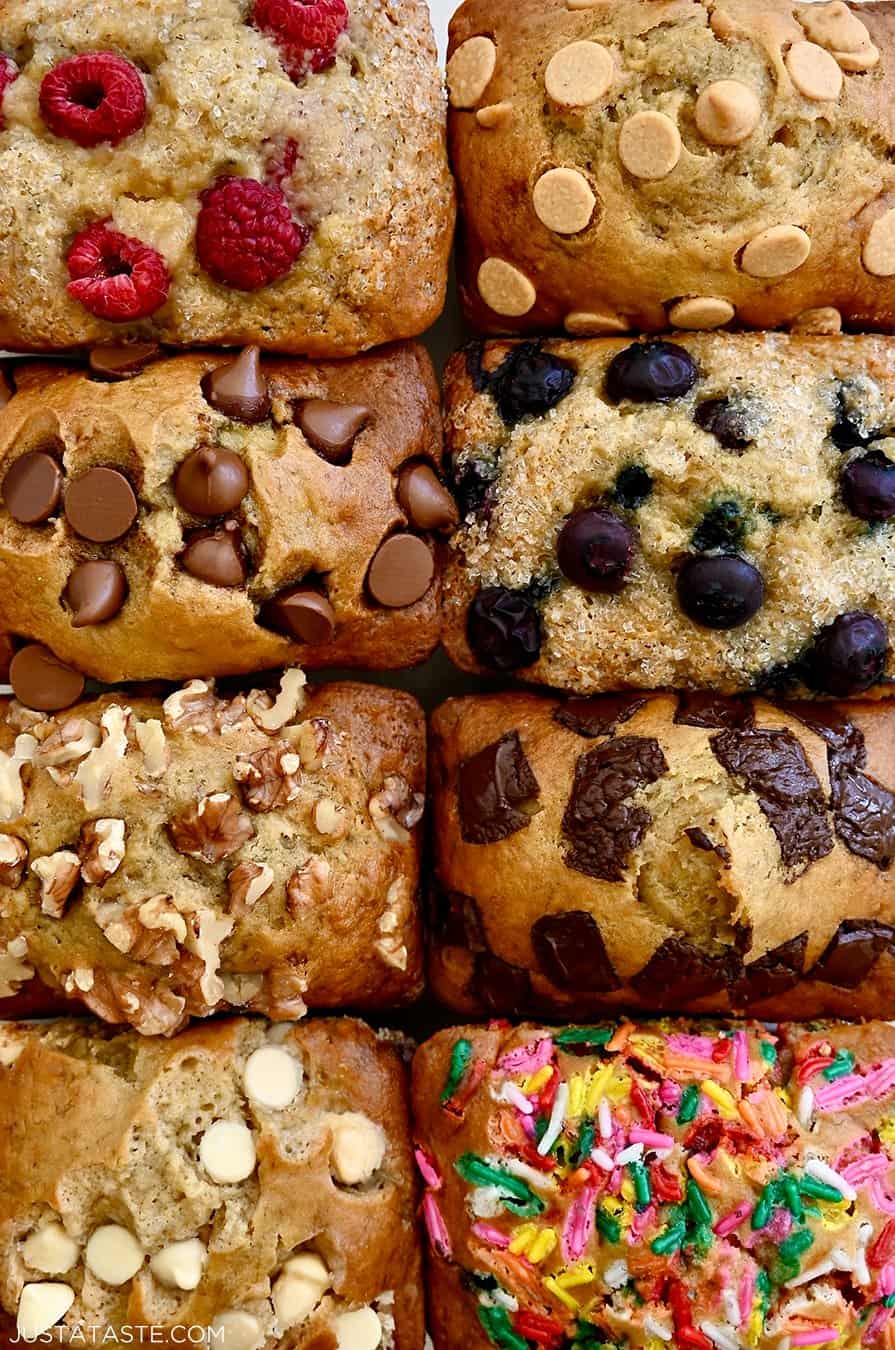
{"points": [[251, 1179], [641, 165], [220, 172], [701, 1185], [161, 860], [691, 854], [711, 511], [208, 515]]}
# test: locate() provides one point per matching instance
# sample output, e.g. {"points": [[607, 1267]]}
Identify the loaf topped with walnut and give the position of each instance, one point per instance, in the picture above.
{"points": [[161, 860], [641, 165]]}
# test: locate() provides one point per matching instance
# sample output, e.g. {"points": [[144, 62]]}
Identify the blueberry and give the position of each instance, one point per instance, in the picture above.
{"points": [[595, 549], [849, 655], [651, 372], [727, 421], [722, 527], [633, 487], [504, 629], [472, 481], [720, 591], [868, 486], [530, 382]]}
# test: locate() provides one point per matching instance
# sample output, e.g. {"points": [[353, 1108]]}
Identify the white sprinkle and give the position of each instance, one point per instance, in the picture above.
{"points": [[557, 1120], [539, 1180], [604, 1118], [731, 1307], [518, 1098], [654, 1328], [633, 1153], [841, 1259], [719, 1335], [861, 1272], [805, 1106], [505, 1300], [810, 1273], [616, 1274], [602, 1159], [821, 1171]]}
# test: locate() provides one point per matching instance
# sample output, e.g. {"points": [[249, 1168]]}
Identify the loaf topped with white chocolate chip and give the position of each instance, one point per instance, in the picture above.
{"points": [[256, 1180], [162, 860], [209, 514], [640, 165]]}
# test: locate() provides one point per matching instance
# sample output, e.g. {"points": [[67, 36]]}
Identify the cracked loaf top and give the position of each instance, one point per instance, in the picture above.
{"points": [[697, 853], [221, 171], [702, 1186], [250, 1178], [160, 860], [639, 165]]}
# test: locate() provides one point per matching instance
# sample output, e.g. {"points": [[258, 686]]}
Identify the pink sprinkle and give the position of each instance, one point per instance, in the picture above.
{"points": [[881, 1080], [579, 1225], [650, 1138], [875, 1325], [741, 1055], [700, 1046], [747, 1294], [670, 1093], [819, 1336], [863, 1169], [493, 1236], [518, 1098], [852, 1089], [882, 1196], [733, 1220], [427, 1169], [527, 1058], [886, 1281], [614, 1184], [640, 1223], [528, 1125], [436, 1226]]}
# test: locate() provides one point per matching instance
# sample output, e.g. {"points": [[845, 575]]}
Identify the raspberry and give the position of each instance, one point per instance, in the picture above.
{"points": [[306, 31], [9, 71], [245, 235], [93, 98], [115, 277]]}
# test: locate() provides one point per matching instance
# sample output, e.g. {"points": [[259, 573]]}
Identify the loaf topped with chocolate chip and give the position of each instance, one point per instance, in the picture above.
{"points": [[206, 515], [636, 166], [688, 853], [253, 1180], [220, 172], [707, 511], [253, 849]]}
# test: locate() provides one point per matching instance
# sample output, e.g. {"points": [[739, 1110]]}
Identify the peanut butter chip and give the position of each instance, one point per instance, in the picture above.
{"points": [[814, 72], [505, 289], [579, 74], [826, 321], [701, 311], [727, 112], [564, 201], [469, 71], [649, 145], [583, 323], [495, 115], [842, 33], [776, 251], [879, 247]]}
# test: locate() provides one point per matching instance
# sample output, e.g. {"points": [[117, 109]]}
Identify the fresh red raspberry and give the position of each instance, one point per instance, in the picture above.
{"points": [[306, 31], [245, 235], [9, 72], [93, 98], [116, 277]]}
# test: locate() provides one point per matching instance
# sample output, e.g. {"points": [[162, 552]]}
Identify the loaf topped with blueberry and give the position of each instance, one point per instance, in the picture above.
{"points": [[217, 172], [708, 511], [643, 165]]}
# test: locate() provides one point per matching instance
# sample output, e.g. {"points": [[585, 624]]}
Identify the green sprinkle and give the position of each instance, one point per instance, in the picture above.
{"points": [[889, 1301], [818, 1190], [498, 1329], [689, 1105], [460, 1057], [842, 1064], [608, 1226], [669, 1241], [768, 1052], [762, 1212], [796, 1245], [702, 1239], [697, 1204], [585, 1142], [791, 1197], [784, 1271], [642, 1188], [763, 1285], [586, 1334], [585, 1036], [517, 1196]]}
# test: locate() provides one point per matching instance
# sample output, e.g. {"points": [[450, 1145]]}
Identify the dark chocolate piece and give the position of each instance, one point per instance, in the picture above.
{"points": [[680, 971], [599, 716], [570, 951], [772, 974], [600, 822], [492, 787]]}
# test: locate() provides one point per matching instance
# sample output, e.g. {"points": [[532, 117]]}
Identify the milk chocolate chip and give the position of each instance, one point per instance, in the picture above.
{"points": [[712, 710], [95, 592], [601, 824], [239, 389], [401, 571], [425, 500], [303, 614], [772, 974], [679, 971], [42, 682], [601, 716], [100, 505], [570, 951], [216, 556], [331, 428], [494, 787], [32, 487], [211, 481], [854, 950], [121, 363]]}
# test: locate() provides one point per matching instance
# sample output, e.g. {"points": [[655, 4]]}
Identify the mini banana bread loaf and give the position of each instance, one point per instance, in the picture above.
{"points": [[250, 1179], [709, 512], [207, 515], [694, 854], [166, 859], [667, 1184], [639, 165], [217, 172]]}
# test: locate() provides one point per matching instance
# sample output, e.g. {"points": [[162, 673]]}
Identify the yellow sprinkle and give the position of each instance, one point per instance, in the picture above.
{"points": [[535, 1081], [653, 1343], [613, 1206], [576, 1096], [596, 1088], [619, 1089], [575, 1276], [886, 1130], [756, 1325], [833, 1215], [723, 1157], [721, 1097], [627, 1189], [560, 1293], [542, 1246], [784, 1096], [523, 1238]]}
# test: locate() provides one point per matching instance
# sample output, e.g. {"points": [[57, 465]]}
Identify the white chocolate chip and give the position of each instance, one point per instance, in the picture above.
{"points": [[564, 201], [299, 1289], [358, 1147], [825, 320], [775, 252], [288, 704], [495, 115], [841, 32], [227, 1151], [272, 1077], [814, 72], [180, 1265], [12, 791], [113, 1255], [41, 1307], [50, 1250], [237, 1330], [469, 71], [505, 289], [95, 772], [357, 1330], [727, 112], [878, 256], [701, 312], [649, 145], [151, 740], [585, 323], [579, 75]]}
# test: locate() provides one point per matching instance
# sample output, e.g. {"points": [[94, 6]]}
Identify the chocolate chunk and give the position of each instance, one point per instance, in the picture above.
{"points": [[720, 591], [95, 592], [505, 990], [492, 787], [679, 971], [633, 487], [211, 481], [216, 556], [570, 951], [425, 500], [123, 362], [100, 505], [714, 711], [331, 428], [773, 765], [853, 951], [32, 487], [864, 815], [600, 821], [595, 550], [401, 571], [699, 839], [849, 655], [772, 974], [457, 922], [651, 372], [303, 614], [601, 716], [503, 628], [845, 742], [42, 682], [728, 420], [239, 389], [530, 382]]}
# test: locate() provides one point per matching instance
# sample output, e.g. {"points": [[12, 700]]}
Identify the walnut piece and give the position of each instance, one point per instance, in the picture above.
{"points": [[102, 849], [309, 886], [13, 856], [205, 933], [12, 789], [147, 931], [396, 809], [392, 923], [78, 981], [268, 779], [14, 968], [310, 740], [247, 883], [282, 998], [58, 875], [95, 772], [150, 1008], [212, 828], [273, 714], [330, 819], [69, 739], [191, 708], [151, 740]]}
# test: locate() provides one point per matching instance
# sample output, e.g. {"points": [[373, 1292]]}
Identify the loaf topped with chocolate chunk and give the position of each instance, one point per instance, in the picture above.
{"points": [[703, 512], [688, 853], [206, 515]]}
